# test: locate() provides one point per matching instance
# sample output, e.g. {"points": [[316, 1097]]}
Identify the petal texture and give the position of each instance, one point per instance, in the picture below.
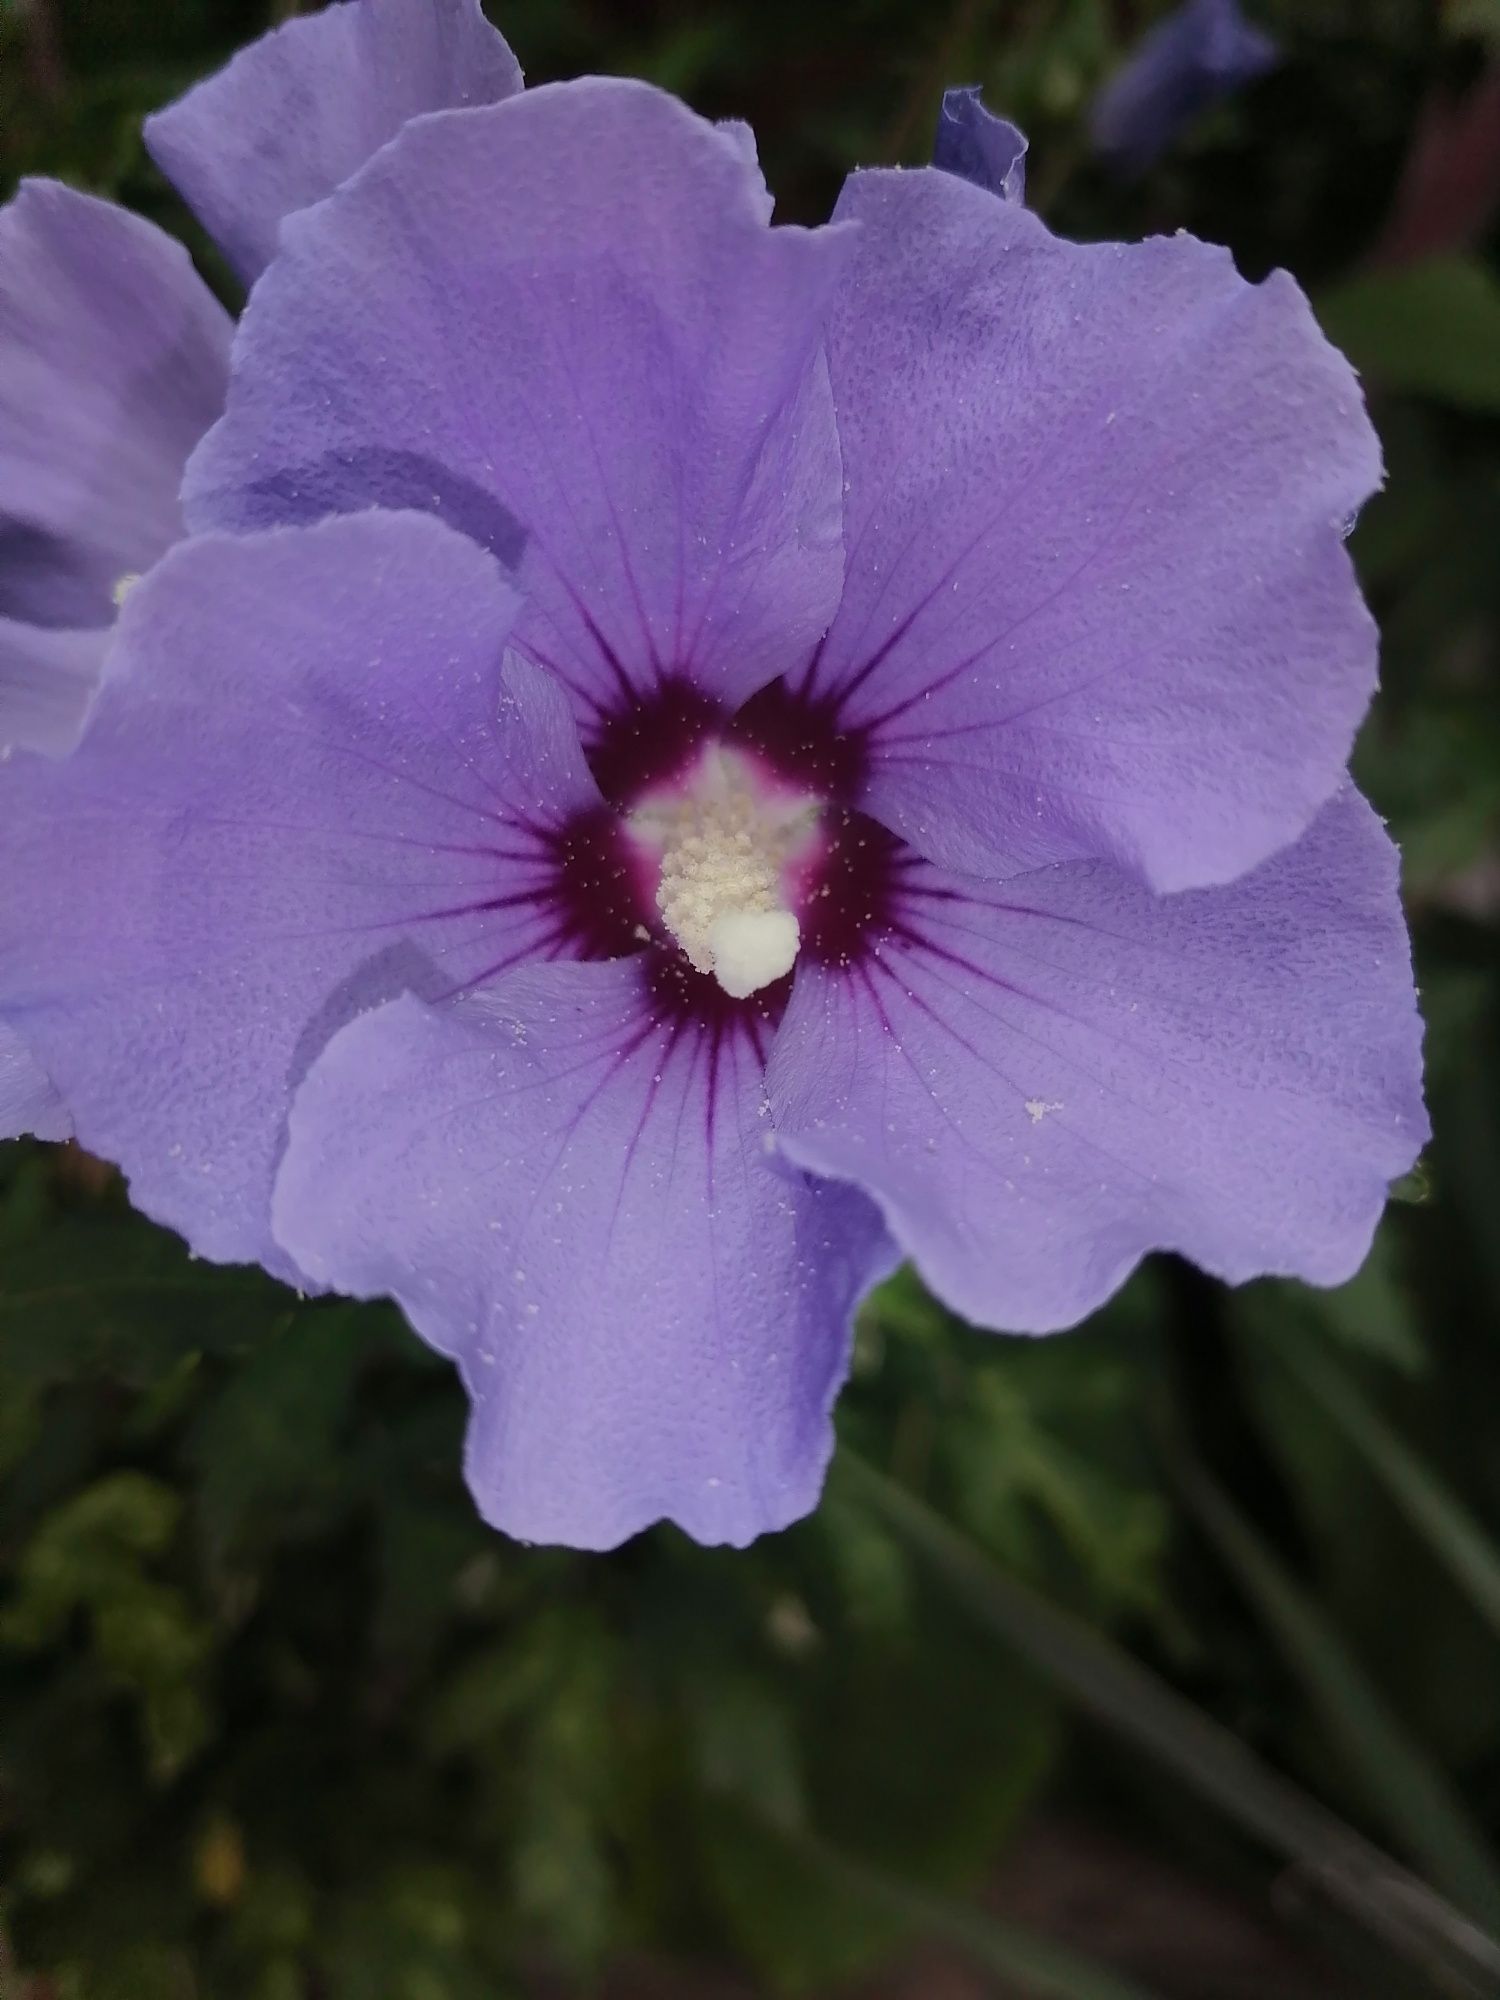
{"points": [[306, 785], [574, 1200], [113, 362], [28, 1103], [299, 111], [1042, 1080], [979, 147], [47, 675], [1098, 599], [563, 318]]}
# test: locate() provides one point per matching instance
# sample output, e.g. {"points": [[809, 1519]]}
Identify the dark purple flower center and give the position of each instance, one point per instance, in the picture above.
{"points": [[644, 742], [837, 872]]}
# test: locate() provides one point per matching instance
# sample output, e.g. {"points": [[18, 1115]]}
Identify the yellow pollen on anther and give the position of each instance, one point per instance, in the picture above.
{"points": [[724, 845]]}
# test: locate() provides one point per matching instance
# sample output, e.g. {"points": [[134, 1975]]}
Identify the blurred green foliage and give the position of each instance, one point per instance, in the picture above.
{"points": [[280, 1720]]}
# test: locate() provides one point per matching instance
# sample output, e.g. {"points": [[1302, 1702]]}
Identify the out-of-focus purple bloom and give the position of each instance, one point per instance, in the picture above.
{"points": [[114, 358], [1200, 54], [114, 354], [973, 143], [113, 362], [854, 768]]}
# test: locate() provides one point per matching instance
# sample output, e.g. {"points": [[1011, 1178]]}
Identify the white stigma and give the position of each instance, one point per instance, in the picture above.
{"points": [[124, 585], [724, 840]]}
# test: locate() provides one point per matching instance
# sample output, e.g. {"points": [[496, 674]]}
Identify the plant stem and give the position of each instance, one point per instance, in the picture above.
{"points": [[1366, 1885]]}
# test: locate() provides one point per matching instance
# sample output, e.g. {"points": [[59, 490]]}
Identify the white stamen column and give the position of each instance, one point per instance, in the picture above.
{"points": [[724, 838]]}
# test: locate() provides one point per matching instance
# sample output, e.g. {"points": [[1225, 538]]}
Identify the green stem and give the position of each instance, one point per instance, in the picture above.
{"points": [[1048, 1970], [1366, 1885], [1451, 1531], [1402, 1785]]}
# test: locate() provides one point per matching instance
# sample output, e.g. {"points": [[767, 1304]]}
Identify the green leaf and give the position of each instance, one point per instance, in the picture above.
{"points": [[94, 1555], [267, 1447], [743, 1740], [1480, 18], [785, 1737], [801, 1932], [1407, 1917], [805, 1886], [86, 1553], [1451, 1531], [164, 1973], [562, 1880], [101, 1293], [1414, 1188], [1047, 1970], [1374, 1313], [409, 1938], [1429, 329], [1034, 1445], [1414, 1798]]}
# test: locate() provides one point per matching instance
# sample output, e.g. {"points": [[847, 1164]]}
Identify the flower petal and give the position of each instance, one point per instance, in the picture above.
{"points": [[573, 1198], [113, 360], [1042, 1080], [1098, 599], [1201, 53], [569, 306], [47, 675], [28, 1103], [979, 147], [300, 110], [305, 786]]}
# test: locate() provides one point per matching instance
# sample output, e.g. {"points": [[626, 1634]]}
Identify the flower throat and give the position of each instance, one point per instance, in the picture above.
{"points": [[731, 847]]}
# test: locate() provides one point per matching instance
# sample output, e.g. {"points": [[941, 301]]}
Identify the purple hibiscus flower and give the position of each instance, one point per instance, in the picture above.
{"points": [[1200, 54], [114, 354], [847, 761]]}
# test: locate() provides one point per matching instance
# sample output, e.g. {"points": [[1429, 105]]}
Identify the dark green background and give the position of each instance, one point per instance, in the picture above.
{"points": [[279, 1720]]}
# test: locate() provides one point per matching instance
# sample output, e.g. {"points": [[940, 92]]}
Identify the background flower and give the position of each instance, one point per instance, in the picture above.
{"points": [[115, 356], [1196, 56], [115, 353]]}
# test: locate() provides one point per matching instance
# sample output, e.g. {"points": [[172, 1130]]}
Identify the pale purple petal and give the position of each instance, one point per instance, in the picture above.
{"points": [[1201, 53], [575, 1200], [1043, 1079], [113, 361], [47, 675], [300, 110], [563, 315], [307, 784], [1098, 601], [979, 147], [743, 136], [28, 1103]]}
